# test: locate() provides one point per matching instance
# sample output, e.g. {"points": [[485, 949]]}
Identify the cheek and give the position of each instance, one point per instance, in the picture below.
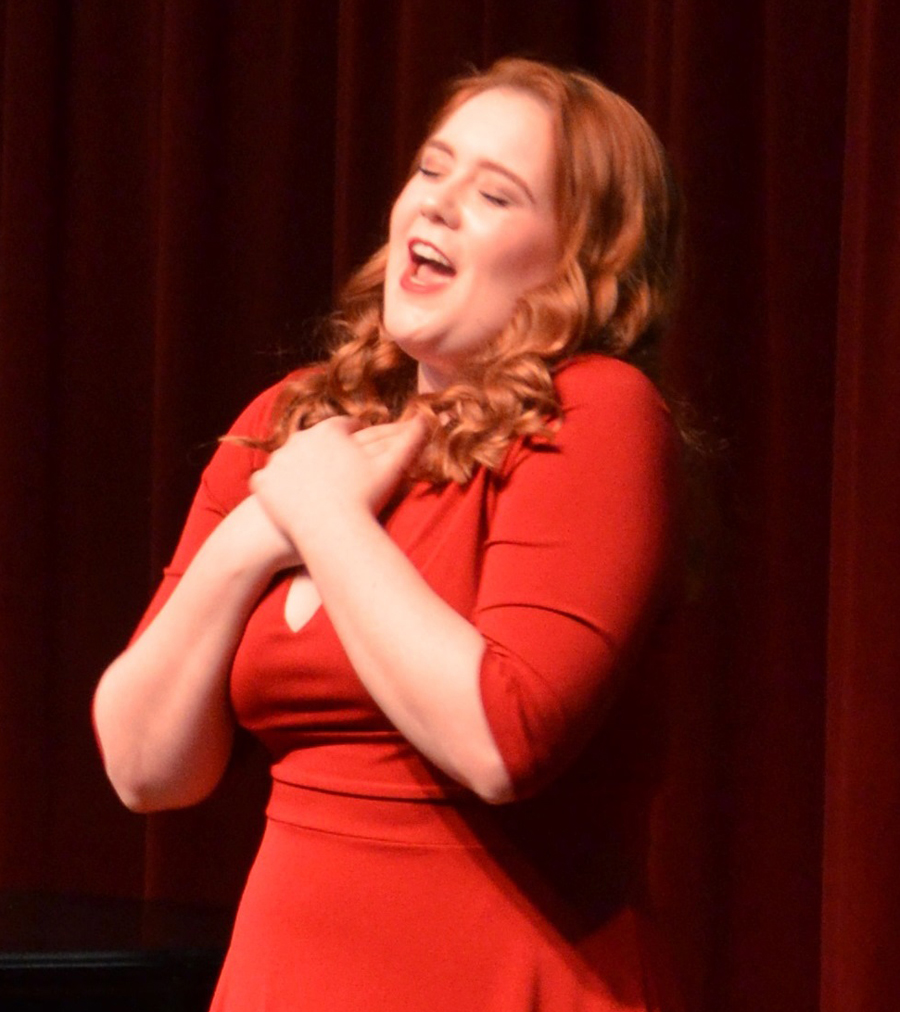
{"points": [[522, 265], [396, 247], [402, 208], [393, 221]]}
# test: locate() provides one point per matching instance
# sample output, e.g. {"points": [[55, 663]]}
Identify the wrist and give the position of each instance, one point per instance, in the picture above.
{"points": [[325, 533], [253, 542]]}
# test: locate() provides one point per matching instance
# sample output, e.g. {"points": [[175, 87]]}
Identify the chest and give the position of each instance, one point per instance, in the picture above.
{"points": [[290, 672]]}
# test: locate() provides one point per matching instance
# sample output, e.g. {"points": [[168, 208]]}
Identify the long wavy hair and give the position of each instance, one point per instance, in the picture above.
{"points": [[619, 217]]}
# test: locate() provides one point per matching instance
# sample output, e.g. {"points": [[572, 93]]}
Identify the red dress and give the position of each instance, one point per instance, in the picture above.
{"points": [[381, 885]]}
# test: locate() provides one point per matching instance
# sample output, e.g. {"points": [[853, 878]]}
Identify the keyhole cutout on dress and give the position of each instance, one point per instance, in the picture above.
{"points": [[302, 601]]}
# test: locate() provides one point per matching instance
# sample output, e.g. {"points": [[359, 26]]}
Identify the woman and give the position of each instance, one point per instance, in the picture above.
{"points": [[428, 575]]}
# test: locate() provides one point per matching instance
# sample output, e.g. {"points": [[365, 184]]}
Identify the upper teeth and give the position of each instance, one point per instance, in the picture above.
{"points": [[426, 252]]}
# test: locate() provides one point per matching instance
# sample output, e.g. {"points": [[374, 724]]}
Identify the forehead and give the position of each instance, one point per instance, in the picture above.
{"points": [[506, 126]]}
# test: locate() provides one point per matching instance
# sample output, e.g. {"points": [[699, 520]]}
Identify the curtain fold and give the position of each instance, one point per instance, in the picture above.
{"points": [[30, 208], [862, 771], [184, 186]]}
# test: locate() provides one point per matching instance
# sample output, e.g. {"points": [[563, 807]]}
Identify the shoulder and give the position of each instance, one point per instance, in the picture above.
{"points": [[226, 477], [610, 403], [610, 412], [255, 421], [602, 383]]}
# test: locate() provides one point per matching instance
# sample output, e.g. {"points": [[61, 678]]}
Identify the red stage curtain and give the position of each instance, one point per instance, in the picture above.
{"points": [[862, 767], [183, 185]]}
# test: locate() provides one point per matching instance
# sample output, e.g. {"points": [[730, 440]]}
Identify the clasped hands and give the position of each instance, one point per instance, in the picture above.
{"points": [[324, 473]]}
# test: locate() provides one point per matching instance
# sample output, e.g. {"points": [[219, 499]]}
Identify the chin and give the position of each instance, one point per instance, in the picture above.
{"points": [[414, 345], [410, 329]]}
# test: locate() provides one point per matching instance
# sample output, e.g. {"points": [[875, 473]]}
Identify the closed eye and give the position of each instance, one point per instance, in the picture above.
{"points": [[495, 199], [430, 173]]}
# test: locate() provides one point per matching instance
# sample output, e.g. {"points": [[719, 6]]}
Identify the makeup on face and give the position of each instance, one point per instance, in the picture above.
{"points": [[472, 231]]}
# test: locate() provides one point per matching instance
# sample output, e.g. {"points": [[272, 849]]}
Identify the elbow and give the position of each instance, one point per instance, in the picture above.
{"points": [[137, 801], [145, 797], [492, 782], [137, 797], [146, 781], [149, 780], [497, 794], [479, 765], [152, 771]]}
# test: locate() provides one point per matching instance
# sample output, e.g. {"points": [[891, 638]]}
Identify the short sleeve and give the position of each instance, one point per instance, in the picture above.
{"points": [[223, 485], [579, 555]]}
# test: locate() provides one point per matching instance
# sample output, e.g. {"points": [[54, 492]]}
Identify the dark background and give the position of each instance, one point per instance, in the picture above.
{"points": [[182, 186]]}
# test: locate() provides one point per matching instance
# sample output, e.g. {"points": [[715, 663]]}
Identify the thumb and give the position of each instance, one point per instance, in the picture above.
{"points": [[405, 442], [390, 456], [411, 437]]}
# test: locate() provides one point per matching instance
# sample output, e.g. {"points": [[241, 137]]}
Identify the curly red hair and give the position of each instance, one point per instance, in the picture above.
{"points": [[619, 218]]}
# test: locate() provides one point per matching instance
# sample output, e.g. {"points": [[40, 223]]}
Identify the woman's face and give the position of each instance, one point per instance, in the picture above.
{"points": [[472, 231]]}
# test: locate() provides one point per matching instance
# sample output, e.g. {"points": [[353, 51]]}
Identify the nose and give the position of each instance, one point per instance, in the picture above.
{"points": [[439, 205]]}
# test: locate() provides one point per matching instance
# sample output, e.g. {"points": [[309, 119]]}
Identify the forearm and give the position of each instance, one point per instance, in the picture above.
{"points": [[161, 709], [418, 658]]}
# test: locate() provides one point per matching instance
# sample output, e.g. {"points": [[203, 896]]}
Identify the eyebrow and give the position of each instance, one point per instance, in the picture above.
{"points": [[484, 163]]}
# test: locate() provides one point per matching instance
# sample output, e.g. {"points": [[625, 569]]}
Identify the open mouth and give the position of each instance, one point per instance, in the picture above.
{"points": [[428, 266]]}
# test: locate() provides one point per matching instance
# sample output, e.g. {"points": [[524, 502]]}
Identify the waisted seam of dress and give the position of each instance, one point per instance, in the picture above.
{"points": [[419, 822]]}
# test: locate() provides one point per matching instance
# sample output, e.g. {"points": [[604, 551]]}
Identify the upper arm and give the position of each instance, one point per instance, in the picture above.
{"points": [[224, 483], [577, 555]]}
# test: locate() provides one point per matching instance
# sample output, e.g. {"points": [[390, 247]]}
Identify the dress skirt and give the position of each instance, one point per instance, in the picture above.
{"points": [[357, 903]]}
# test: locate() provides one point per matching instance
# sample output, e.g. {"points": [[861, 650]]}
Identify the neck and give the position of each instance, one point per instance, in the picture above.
{"points": [[431, 380]]}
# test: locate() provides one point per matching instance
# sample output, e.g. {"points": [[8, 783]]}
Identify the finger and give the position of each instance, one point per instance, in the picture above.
{"points": [[301, 442], [385, 431], [397, 451], [339, 424], [417, 424], [372, 435]]}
